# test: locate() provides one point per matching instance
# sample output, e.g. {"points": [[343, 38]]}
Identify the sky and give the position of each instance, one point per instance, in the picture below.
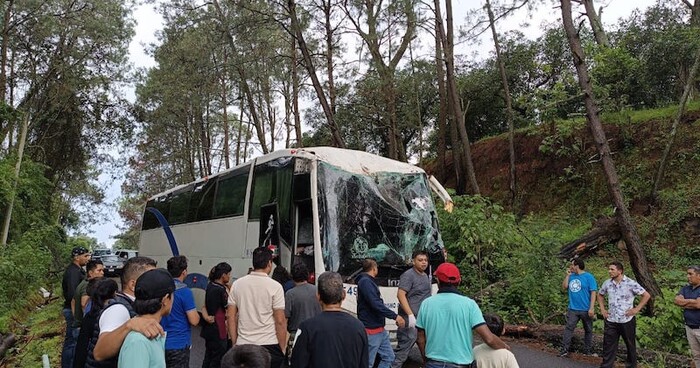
{"points": [[148, 22]]}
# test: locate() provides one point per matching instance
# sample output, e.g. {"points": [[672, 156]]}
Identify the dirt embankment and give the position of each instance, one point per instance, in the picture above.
{"points": [[548, 160]]}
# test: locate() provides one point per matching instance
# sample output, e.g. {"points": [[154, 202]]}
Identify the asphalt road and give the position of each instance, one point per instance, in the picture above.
{"points": [[527, 356]]}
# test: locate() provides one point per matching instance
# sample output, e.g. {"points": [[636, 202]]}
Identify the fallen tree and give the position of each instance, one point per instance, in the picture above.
{"points": [[605, 230]]}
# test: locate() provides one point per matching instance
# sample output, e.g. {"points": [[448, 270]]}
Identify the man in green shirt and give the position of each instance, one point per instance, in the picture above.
{"points": [[94, 269], [154, 299]]}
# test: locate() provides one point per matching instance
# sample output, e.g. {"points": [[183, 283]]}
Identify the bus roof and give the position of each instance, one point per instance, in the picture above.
{"points": [[358, 162]]}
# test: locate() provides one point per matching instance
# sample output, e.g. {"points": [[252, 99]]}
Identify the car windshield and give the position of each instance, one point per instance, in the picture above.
{"points": [[385, 216], [111, 258]]}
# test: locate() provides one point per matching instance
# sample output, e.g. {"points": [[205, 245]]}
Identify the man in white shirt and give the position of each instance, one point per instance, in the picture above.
{"points": [[255, 312]]}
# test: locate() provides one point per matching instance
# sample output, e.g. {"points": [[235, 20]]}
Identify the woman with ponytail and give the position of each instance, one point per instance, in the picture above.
{"points": [[215, 300]]}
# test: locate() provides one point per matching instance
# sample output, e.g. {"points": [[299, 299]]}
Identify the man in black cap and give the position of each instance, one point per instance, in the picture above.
{"points": [[73, 275], [154, 300]]}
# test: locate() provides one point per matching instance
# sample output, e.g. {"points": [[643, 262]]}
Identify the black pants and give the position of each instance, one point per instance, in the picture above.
{"points": [[276, 355], [177, 358], [611, 337], [215, 349]]}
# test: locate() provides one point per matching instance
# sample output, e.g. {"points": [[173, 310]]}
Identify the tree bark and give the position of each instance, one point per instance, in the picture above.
{"points": [[224, 103], [4, 47], [308, 63], [295, 94], [509, 104], [458, 116], [601, 38], [442, 114], [629, 232]]}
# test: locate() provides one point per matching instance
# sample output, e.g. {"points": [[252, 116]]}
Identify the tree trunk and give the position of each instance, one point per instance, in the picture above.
{"points": [[458, 118], [3, 49], [442, 114], [308, 63], [629, 232], [509, 104], [224, 103], [601, 38], [295, 94], [674, 128], [18, 167]]}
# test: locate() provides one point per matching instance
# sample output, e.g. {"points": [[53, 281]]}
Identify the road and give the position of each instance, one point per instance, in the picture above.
{"points": [[527, 356]]}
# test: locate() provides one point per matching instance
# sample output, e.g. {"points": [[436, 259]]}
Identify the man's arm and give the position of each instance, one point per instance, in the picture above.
{"points": [[280, 328], [645, 298], [681, 301], [601, 305], [84, 300], [420, 341], [565, 283], [193, 317], [232, 322], [489, 338], [591, 310], [403, 304], [376, 302], [109, 343]]}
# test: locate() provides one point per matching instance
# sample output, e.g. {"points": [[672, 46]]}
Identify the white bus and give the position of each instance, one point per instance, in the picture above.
{"points": [[327, 207]]}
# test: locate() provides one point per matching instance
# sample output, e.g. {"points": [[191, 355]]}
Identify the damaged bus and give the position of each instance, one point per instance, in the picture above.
{"points": [[326, 207]]}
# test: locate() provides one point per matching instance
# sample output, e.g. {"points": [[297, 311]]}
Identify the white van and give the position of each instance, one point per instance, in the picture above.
{"points": [[126, 254]]}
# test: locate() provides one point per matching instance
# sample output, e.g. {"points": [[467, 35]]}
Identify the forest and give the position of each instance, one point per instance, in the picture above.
{"points": [[540, 140]]}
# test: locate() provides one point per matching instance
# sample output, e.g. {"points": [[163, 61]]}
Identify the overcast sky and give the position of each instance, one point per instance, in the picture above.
{"points": [[149, 22]]}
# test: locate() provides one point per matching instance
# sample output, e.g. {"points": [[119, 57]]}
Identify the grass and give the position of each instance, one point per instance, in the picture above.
{"points": [[42, 333]]}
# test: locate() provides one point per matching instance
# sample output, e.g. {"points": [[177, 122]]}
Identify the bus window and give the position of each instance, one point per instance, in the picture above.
{"points": [[272, 182], [179, 205], [230, 195], [162, 204], [202, 201], [149, 220]]}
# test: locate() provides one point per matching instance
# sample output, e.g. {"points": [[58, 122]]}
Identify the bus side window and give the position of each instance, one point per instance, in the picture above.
{"points": [[202, 201], [149, 220], [179, 206], [230, 196]]}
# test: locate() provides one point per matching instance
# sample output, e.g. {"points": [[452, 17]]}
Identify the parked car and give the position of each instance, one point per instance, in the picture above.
{"points": [[125, 254], [114, 265], [99, 252]]}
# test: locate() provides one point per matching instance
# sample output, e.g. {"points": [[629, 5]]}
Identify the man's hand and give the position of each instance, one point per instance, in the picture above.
{"points": [[591, 312], [146, 326], [400, 321], [411, 321], [631, 312], [604, 313]]}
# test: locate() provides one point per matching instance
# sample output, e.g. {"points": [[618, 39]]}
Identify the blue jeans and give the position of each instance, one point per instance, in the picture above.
{"points": [[69, 341], [436, 364], [379, 344]]}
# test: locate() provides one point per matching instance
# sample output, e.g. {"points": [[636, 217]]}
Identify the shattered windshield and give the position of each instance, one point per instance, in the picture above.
{"points": [[385, 216]]}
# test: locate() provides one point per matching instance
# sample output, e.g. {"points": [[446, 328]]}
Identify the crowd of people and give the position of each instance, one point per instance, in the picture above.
{"points": [[258, 321]]}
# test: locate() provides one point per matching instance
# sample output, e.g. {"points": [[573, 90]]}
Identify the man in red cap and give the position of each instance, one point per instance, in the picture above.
{"points": [[449, 317]]}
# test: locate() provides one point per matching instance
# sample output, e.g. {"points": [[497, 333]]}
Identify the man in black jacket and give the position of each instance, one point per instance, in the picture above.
{"points": [[71, 278], [371, 311]]}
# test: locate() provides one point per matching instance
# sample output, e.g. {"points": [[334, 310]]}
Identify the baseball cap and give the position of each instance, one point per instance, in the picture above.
{"points": [[79, 251], [448, 273], [154, 284]]}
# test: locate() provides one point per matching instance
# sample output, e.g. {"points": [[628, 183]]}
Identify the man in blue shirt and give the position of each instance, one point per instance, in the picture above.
{"points": [[447, 317], [183, 314], [582, 289], [688, 298]]}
